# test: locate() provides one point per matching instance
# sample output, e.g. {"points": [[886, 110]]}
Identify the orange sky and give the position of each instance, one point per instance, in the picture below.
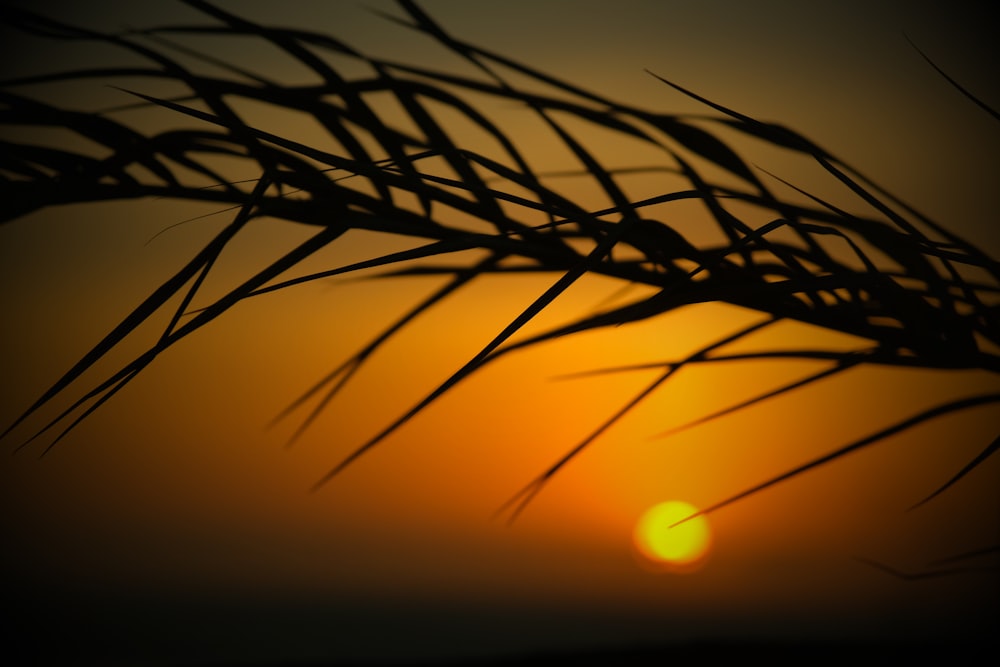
{"points": [[178, 490]]}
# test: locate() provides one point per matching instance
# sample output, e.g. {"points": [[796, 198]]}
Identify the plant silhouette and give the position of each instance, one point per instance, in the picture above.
{"points": [[923, 296]]}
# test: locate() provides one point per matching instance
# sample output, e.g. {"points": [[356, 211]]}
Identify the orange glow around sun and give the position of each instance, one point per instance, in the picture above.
{"points": [[666, 547]]}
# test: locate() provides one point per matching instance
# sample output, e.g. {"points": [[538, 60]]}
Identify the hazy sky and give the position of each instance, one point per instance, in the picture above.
{"points": [[178, 496]]}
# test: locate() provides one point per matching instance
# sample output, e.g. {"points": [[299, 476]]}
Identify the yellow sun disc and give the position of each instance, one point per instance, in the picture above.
{"points": [[677, 548]]}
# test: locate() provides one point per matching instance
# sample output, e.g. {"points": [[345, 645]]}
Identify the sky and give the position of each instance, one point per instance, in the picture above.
{"points": [[175, 523]]}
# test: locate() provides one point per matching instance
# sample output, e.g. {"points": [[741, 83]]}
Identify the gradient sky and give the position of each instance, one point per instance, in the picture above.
{"points": [[177, 502]]}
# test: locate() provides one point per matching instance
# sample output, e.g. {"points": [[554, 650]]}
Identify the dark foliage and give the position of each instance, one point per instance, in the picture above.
{"points": [[922, 295]]}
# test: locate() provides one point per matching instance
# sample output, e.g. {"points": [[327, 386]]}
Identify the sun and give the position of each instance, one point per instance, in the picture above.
{"points": [[663, 546]]}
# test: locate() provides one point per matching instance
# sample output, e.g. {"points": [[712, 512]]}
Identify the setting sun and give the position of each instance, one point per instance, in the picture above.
{"points": [[666, 546]]}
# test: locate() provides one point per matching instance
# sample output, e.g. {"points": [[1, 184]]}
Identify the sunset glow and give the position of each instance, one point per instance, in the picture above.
{"points": [[445, 332], [677, 548]]}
